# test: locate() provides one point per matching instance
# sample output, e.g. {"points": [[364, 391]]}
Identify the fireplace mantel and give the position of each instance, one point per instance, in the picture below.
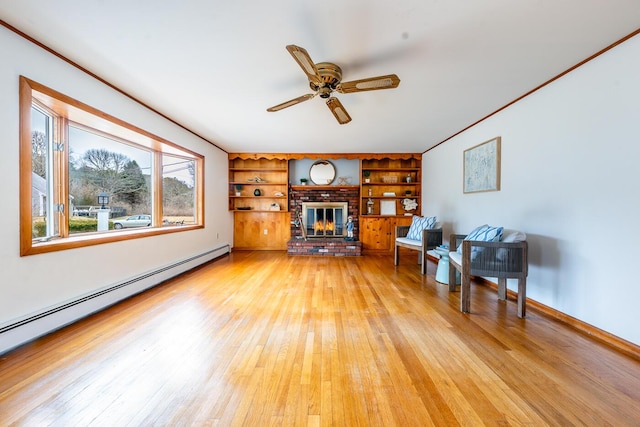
{"points": [[325, 187]]}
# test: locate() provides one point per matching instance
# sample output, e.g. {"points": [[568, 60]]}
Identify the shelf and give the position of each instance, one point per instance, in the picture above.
{"points": [[391, 183], [323, 187], [257, 169], [259, 210], [387, 216], [257, 183], [392, 169], [412, 196], [258, 197]]}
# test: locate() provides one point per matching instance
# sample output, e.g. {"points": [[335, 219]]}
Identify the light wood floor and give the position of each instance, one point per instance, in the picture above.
{"points": [[262, 339]]}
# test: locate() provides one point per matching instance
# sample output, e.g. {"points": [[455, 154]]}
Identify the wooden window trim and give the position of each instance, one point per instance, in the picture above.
{"points": [[68, 108]]}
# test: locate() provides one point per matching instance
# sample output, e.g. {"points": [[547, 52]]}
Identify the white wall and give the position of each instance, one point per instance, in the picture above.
{"points": [[570, 164], [30, 284]]}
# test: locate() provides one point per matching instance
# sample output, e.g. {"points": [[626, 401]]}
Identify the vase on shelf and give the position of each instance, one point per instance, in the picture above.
{"points": [[369, 207]]}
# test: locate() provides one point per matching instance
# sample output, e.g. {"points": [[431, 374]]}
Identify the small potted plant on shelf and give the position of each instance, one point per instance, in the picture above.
{"points": [[303, 181], [366, 175], [238, 189]]}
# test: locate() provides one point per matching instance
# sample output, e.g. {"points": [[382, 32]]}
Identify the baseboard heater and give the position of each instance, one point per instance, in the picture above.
{"points": [[26, 329]]}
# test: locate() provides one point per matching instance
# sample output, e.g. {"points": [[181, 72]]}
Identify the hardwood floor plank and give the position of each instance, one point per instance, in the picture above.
{"points": [[261, 338]]}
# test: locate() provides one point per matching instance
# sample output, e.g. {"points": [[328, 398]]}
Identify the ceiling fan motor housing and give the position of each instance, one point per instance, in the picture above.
{"points": [[331, 76]]}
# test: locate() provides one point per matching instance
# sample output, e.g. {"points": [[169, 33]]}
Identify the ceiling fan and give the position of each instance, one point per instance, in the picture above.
{"points": [[326, 77]]}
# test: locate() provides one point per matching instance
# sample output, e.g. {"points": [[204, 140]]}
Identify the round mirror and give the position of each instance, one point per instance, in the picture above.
{"points": [[322, 172]]}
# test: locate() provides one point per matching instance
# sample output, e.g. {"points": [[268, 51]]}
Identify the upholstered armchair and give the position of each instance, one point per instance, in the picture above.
{"points": [[418, 237], [504, 259]]}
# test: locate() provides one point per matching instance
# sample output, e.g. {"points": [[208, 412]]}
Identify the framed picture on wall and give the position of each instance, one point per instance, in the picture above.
{"points": [[387, 207], [481, 167]]}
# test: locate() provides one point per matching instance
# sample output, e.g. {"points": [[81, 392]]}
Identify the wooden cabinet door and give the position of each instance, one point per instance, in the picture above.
{"points": [[261, 230], [374, 233], [378, 233]]}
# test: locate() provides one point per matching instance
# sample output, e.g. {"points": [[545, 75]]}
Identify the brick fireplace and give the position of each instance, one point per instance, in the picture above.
{"points": [[328, 199]]}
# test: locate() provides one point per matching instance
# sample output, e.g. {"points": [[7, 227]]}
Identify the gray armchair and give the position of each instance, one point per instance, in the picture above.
{"points": [[431, 238], [506, 259]]}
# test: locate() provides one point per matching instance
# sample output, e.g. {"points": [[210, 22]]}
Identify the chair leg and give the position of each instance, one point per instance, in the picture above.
{"points": [[396, 255], [502, 288], [423, 257], [452, 277], [522, 297], [465, 293]]}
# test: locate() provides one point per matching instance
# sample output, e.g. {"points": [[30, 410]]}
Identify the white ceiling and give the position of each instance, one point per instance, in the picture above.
{"points": [[216, 66]]}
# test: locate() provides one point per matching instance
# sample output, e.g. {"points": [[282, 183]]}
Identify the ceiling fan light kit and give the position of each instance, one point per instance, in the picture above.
{"points": [[325, 78]]}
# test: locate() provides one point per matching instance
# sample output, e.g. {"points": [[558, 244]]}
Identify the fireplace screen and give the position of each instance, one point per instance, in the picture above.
{"points": [[322, 219]]}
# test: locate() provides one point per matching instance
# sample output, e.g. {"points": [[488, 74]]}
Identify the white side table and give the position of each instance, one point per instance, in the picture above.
{"points": [[442, 273]]}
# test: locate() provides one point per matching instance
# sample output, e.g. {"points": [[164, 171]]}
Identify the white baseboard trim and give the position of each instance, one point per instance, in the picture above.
{"points": [[32, 326]]}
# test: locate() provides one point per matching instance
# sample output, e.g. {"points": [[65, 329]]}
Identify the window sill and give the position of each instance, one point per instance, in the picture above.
{"points": [[91, 239]]}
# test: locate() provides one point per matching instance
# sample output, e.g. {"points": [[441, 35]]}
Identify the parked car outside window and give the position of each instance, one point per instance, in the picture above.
{"points": [[133, 221]]}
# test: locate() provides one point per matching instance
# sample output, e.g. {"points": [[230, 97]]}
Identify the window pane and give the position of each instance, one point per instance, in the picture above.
{"points": [[101, 164], [178, 190], [43, 217], [79, 153]]}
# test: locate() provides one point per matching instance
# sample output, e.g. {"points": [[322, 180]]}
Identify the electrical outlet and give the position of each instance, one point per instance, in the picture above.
{"points": [[266, 231]]}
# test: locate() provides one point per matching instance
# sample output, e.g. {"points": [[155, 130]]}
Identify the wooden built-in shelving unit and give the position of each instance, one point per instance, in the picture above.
{"points": [[264, 222], [387, 175], [273, 184], [261, 222]]}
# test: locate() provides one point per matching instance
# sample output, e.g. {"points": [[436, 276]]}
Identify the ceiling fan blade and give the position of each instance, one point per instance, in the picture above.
{"points": [[372, 83], [294, 101], [304, 60], [338, 110]]}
